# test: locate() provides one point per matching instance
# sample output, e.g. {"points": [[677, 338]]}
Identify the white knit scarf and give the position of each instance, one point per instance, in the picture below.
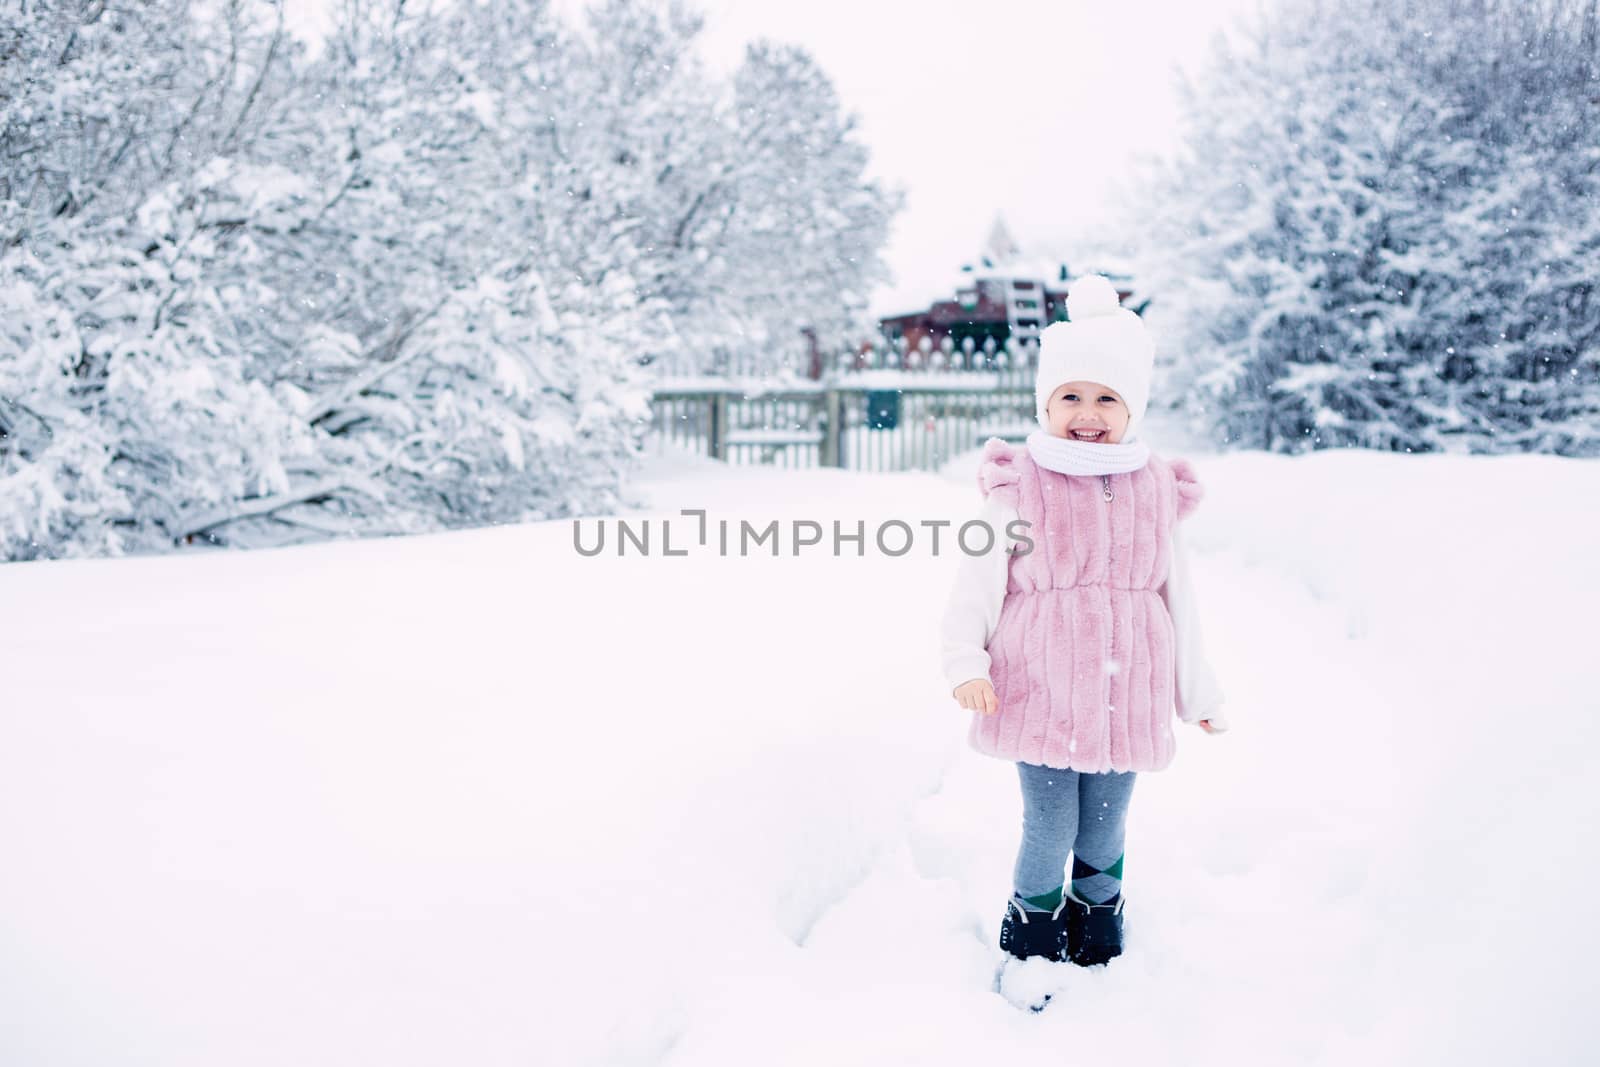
{"points": [[1067, 456]]}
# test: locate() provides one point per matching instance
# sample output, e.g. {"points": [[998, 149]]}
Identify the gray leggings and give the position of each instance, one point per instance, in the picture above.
{"points": [[1071, 812]]}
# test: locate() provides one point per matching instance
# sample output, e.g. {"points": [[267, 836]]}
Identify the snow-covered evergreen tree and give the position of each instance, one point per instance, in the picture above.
{"points": [[1383, 229]]}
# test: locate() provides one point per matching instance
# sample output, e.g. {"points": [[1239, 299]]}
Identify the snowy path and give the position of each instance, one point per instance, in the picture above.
{"points": [[473, 799]]}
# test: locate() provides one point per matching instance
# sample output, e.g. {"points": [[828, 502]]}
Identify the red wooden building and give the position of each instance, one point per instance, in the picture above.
{"points": [[1000, 297]]}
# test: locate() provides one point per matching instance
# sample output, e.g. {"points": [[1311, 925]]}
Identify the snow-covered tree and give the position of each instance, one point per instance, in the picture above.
{"points": [[253, 297], [740, 210], [1383, 228], [412, 309], [126, 406], [804, 233]]}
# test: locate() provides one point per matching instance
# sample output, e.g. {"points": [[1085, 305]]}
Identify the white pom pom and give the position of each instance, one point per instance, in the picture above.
{"points": [[1092, 294]]}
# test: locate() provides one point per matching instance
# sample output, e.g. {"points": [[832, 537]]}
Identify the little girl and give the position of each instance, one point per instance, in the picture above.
{"points": [[1076, 637]]}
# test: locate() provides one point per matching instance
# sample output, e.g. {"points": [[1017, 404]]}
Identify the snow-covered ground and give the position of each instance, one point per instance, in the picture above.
{"points": [[475, 799]]}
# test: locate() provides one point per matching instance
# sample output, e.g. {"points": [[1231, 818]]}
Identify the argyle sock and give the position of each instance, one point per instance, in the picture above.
{"points": [[1043, 902], [1097, 885]]}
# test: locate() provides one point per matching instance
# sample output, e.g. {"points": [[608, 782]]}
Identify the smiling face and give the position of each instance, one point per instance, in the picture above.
{"points": [[1087, 411]]}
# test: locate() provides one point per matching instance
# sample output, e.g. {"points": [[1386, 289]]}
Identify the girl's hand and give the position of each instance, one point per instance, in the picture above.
{"points": [[978, 695], [1205, 724]]}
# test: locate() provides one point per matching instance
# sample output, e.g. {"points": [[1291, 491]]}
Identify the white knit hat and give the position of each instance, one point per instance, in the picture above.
{"points": [[1102, 341]]}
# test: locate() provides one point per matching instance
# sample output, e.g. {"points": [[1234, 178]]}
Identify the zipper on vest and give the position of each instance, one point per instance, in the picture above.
{"points": [[1105, 491]]}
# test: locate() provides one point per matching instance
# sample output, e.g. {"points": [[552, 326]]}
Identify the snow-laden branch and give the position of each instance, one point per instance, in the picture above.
{"points": [[362, 382], [263, 506]]}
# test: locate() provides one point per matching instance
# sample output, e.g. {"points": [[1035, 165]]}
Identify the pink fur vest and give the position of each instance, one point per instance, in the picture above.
{"points": [[1082, 656]]}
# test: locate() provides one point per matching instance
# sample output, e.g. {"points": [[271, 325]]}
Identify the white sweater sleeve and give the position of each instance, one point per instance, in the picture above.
{"points": [[1199, 696], [973, 608]]}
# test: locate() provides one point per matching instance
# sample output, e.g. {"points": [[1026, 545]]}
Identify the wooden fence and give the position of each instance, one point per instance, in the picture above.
{"points": [[856, 423]]}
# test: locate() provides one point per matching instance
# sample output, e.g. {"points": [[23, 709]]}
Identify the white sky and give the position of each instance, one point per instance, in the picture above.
{"points": [[1031, 109], [1026, 108]]}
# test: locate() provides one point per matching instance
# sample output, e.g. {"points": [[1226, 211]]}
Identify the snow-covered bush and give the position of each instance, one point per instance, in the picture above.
{"points": [[253, 296], [126, 405]]}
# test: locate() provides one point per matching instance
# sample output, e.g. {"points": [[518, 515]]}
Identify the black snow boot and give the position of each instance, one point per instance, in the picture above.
{"points": [[1094, 931], [1026, 933]]}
